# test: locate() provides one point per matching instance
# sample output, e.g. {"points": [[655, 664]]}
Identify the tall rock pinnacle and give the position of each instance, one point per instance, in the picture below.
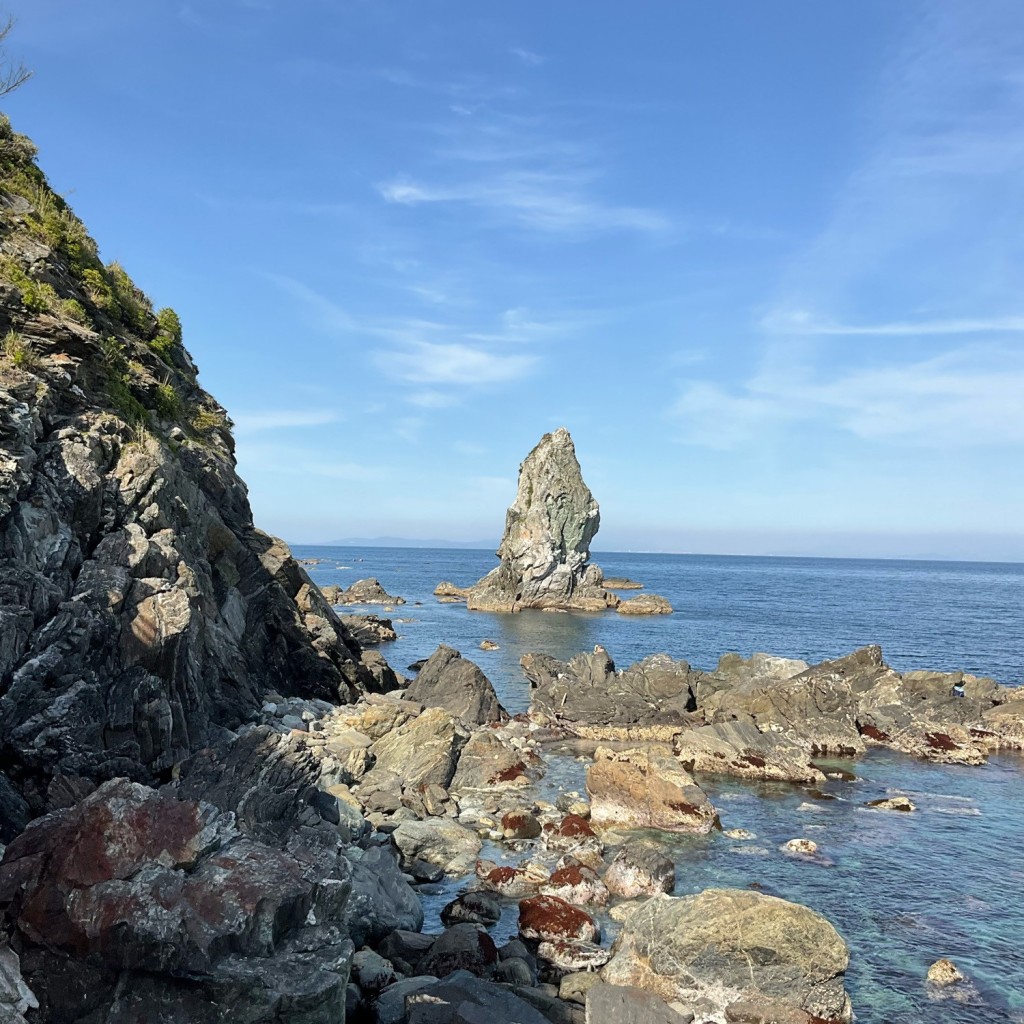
{"points": [[545, 550]]}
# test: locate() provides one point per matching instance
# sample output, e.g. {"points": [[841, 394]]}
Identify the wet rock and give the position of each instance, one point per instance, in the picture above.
{"points": [[646, 788], [449, 845], [737, 747], [452, 682], [472, 908], [622, 1004], [451, 591], [368, 591], [893, 803], [520, 825], [943, 973], [645, 604], [640, 868], [489, 645], [370, 630], [513, 970], [545, 549], [549, 918], [723, 945], [462, 947], [622, 583], [578, 884], [800, 847], [513, 882]]}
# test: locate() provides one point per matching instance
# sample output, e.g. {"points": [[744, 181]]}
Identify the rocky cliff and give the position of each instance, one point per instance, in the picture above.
{"points": [[545, 550], [142, 614]]}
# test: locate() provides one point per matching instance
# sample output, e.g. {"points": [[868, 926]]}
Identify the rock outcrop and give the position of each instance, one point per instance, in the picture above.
{"points": [[767, 717], [454, 683], [545, 550], [143, 614]]}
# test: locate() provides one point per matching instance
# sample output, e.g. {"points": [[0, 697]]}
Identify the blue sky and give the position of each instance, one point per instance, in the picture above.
{"points": [[763, 260]]}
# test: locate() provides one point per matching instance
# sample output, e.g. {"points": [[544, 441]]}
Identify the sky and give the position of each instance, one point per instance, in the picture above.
{"points": [[763, 260]]}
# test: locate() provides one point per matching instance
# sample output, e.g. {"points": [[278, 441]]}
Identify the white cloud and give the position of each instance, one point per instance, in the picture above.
{"points": [[968, 397], [430, 399], [278, 419], [424, 362], [540, 200], [527, 56], [795, 321]]}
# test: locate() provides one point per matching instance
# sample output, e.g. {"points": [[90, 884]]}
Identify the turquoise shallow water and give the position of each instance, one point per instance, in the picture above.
{"points": [[903, 890]]}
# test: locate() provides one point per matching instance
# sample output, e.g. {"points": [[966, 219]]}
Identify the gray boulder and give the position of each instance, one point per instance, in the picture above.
{"points": [[454, 683], [724, 946], [462, 998], [381, 900], [449, 845], [624, 1004]]}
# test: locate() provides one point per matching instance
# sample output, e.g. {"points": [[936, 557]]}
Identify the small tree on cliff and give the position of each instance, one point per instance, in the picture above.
{"points": [[11, 75]]}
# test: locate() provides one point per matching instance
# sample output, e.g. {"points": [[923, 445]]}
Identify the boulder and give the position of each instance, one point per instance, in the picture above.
{"points": [[449, 590], [389, 1006], [405, 949], [640, 868], [545, 550], [520, 825], [576, 883], [893, 803], [372, 972], [449, 845], [488, 764], [573, 955], [462, 947], [140, 891], [454, 683], [943, 973], [549, 918], [16, 998], [646, 788], [419, 753], [573, 987], [512, 882], [724, 945]]}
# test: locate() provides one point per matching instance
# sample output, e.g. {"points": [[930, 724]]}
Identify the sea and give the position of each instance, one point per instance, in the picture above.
{"points": [[904, 890]]}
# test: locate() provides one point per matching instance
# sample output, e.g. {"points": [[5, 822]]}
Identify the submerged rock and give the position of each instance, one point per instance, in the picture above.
{"points": [[545, 550], [724, 946], [640, 868], [368, 591], [645, 604]]}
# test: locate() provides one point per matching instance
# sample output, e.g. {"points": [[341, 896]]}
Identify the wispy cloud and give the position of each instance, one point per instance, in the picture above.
{"points": [[527, 56], [424, 362], [802, 322], [543, 201], [280, 419], [964, 398]]}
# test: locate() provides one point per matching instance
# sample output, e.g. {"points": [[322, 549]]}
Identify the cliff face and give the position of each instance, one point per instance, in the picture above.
{"points": [[141, 612], [545, 550]]}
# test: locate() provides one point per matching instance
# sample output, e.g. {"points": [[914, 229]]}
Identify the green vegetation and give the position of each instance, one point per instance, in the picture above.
{"points": [[168, 402], [168, 334], [207, 421], [36, 296], [19, 351]]}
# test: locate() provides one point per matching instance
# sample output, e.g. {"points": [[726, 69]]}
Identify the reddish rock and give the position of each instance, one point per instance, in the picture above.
{"points": [[520, 825], [576, 883], [549, 918]]}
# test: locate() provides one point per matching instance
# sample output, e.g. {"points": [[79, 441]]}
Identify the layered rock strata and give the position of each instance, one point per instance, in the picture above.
{"points": [[545, 549], [768, 717]]}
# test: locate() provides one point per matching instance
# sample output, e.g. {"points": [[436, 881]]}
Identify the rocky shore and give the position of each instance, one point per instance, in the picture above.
{"points": [[216, 804]]}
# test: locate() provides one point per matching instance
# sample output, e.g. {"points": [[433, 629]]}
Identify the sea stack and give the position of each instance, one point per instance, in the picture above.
{"points": [[545, 550]]}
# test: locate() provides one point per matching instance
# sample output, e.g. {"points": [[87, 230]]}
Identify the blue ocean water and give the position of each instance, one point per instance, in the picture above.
{"points": [[904, 890]]}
